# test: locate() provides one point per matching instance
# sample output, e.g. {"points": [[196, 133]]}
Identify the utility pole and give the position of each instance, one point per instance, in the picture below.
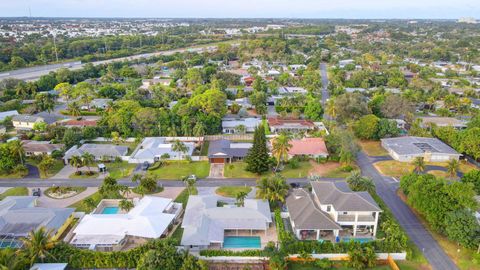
{"points": [[55, 46]]}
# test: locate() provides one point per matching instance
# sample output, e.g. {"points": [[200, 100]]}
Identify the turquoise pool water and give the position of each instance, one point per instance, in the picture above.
{"points": [[241, 242], [359, 240], [110, 210]]}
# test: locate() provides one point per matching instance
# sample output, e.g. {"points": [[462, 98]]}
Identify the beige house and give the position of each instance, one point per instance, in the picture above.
{"points": [[25, 122]]}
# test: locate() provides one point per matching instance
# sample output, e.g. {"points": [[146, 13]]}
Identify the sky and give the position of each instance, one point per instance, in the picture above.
{"points": [[354, 9]]}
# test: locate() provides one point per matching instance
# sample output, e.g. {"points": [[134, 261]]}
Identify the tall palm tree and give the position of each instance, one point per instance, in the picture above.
{"points": [[76, 161], [273, 189], [9, 259], [452, 167], [190, 183], [126, 205], [419, 164], [240, 198], [74, 109], [37, 244], [330, 108], [88, 159], [16, 146], [179, 147], [280, 147], [136, 178], [359, 183]]}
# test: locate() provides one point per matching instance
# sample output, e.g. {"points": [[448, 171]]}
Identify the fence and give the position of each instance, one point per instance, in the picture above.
{"points": [[232, 137]]}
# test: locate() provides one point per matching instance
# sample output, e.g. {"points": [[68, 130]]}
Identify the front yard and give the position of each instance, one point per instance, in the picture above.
{"points": [[237, 170], [232, 191], [120, 170], [372, 148], [175, 170], [16, 191], [397, 169], [53, 170]]}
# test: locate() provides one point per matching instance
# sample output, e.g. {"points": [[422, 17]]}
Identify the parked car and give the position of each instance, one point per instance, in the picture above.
{"points": [[145, 165], [36, 192]]}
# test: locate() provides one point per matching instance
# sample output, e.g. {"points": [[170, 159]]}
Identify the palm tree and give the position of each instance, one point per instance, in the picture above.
{"points": [[136, 178], [74, 109], [330, 108], [46, 163], [116, 137], [76, 161], [16, 147], [88, 159], [273, 189], [452, 167], [126, 205], [240, 198], [179, 147], [190, 183], [89, 203], [9, 259], [419, 164], [280, 147], [359, 183], [37, 244]]}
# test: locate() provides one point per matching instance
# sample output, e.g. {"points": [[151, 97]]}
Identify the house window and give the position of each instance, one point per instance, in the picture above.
{"points": [[345, 213], [329, 208]]}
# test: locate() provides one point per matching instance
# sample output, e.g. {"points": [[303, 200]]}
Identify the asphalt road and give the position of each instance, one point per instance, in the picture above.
{"points": [[386, 189]]}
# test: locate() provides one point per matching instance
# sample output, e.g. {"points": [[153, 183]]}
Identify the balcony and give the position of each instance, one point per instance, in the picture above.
{"points": [[351, 218]]}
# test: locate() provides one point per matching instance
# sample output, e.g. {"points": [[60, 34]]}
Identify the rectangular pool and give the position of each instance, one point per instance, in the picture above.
{"points": [[241, 242], [359, 240], [110, 210]]}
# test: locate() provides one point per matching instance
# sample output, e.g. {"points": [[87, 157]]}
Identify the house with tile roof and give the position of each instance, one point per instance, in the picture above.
{"points": [[308, 147], [37, 148], [332, 211]]}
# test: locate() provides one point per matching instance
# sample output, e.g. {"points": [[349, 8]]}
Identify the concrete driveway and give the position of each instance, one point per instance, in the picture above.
{"points": [[216, 170], [45, 201]]}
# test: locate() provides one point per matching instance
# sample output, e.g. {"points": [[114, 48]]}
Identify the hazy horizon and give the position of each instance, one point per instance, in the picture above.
{"points": [[247, 9]]}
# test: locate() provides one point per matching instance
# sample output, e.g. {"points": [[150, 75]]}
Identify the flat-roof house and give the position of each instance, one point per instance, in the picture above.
{"points": [[37, 148], [150, 218], [285, 90], [308, 147], [407, 148], [6, 114], [19, 215], [442, 122], [99, 151], [152, 149], [150, 82], [332, 211], [225, 151], [206, 225], [290, 125], [231, 125]]}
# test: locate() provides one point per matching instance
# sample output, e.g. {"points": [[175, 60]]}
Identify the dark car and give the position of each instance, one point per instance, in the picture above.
{"points": [[295, 185], [36, 192], [145, 165]]}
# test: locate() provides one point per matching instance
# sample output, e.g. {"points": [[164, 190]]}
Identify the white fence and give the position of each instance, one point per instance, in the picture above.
{"points": [[232, 259]]}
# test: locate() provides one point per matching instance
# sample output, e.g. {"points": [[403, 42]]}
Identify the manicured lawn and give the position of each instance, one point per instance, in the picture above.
{"points": [[57, 166], [177, 235], [183, 197], [462, 257], [83, 176], [394, 168], [237, 170], [372, 148], [464, 166], [16, 191], [64, 190], [231, 191], [81, 207], [339, 173], [157, 190], [120, 170], [176, 170]]}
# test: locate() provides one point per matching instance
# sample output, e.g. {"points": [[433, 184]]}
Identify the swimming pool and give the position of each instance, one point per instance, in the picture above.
{"points": [[359, 240], [241, 242], [110, 210]]}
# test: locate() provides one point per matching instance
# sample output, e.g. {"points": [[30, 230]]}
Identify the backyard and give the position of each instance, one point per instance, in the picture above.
{"points": [[175, 170]]}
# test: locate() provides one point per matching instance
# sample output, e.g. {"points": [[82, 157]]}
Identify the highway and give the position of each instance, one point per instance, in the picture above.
{"points": [[34, 73]]}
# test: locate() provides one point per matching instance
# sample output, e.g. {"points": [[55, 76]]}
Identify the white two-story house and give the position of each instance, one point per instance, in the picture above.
{"points": [[332, 211]]}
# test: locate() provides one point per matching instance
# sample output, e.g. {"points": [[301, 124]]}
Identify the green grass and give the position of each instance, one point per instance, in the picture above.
{"points": [[393, 168], [183, 196], [57, 166], [177, 234], [120, 170], [231, 191], [81, 207], [204, 151], [16, 191], [339, 173], [372, 148], [83, 176], [175, 170], [157, 190], [237, 170]]}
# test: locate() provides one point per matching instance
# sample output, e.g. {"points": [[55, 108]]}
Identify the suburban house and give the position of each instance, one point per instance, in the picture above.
{"points": [[332, 211], [99, 151], [153, 149], [6, 114], [98, 103], [230, 125], [206, 225], [308, 147], [406, 149], [108, 228], [225, 151], [27, 122], [19, 215], [290, 125], [37, 148], [427, 121], [243, 102], [157, 80], [285, 90], [70, 123]]}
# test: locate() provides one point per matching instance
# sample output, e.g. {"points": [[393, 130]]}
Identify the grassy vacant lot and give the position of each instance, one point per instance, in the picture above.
{"points": [[462, 257], [16, 191], [398, 169], [372, 148], [178, 169], [120, 170], [231, 191], [237, 170]]}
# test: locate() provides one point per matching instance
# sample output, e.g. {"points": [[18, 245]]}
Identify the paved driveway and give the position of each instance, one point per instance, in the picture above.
{"points": [[386, 189], [45, 201], [216, 170]]}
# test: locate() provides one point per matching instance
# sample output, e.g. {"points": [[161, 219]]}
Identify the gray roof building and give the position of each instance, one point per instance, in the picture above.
{"points": [[227, 150], [99, 151], [342, 198], [3, 115], [408, 148]]}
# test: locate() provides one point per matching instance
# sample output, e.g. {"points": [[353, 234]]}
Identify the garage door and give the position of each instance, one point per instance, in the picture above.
{"points": [[217, 160]]}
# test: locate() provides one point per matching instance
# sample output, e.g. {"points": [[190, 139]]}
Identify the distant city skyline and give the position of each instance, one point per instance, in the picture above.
{"points": [[348, 9]]}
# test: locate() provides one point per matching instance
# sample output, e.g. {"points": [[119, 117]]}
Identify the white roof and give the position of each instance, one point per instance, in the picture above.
{"points": [[205, 223], [247, 122], [147, 219], [3, 115], [49, 266], [157, 146]]}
